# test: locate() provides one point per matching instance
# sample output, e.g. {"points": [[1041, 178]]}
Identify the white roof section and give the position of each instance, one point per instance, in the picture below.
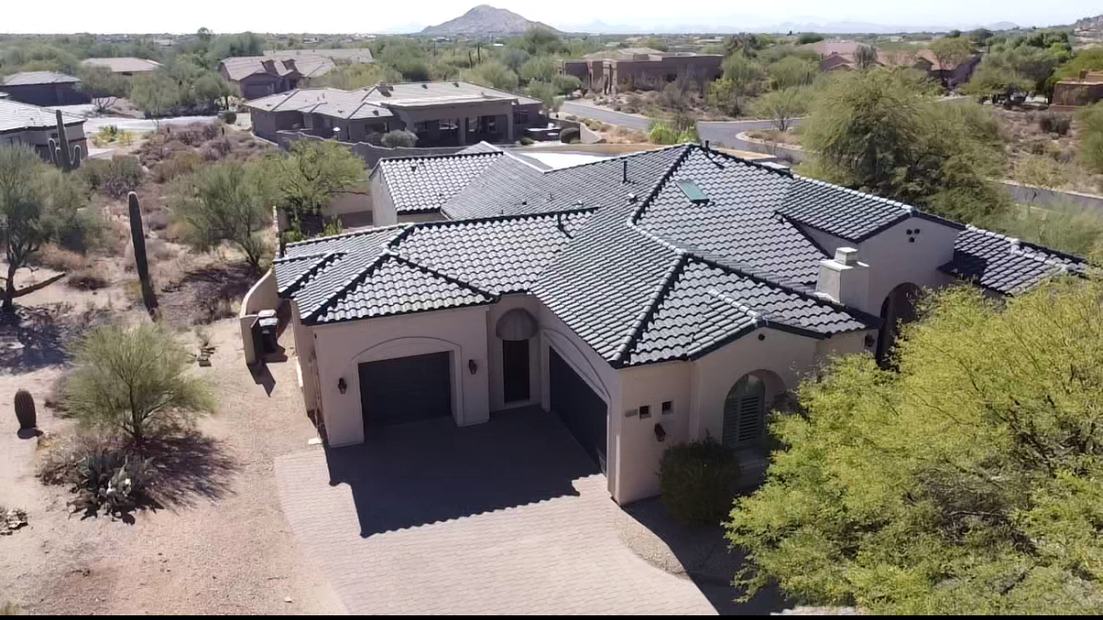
{"points": [[15, 116], [28, 78], [437, 93], [124, 64]]}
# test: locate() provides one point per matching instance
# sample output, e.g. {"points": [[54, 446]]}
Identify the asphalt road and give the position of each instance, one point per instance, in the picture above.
{"points": [[718, 133]]}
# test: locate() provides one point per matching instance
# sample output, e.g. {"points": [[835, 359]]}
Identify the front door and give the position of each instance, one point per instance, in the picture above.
{"points": [[515, 370]]}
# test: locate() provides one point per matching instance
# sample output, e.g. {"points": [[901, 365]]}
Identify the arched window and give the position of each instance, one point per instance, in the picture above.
{"points": [[745, 412], [898, 309]]}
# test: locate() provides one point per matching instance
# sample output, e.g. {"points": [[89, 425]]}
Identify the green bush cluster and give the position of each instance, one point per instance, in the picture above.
{"points": [[698, 481]]}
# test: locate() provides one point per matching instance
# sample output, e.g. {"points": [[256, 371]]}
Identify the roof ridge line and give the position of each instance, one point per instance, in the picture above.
{"points": [[785, 172], [638, 212], [621, 156], [501, 218], [323, 260], [758, 318], [644, 318], [1038, 248], [402, 259], [347, 286], [347, 235], [457, 154]]}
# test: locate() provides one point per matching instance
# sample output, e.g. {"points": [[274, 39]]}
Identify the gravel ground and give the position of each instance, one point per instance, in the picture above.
{"points": [[223, 547]]}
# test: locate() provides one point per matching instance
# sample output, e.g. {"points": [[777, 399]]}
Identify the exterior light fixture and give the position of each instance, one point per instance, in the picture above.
{"points": [[341, 385], [472, 366], [660, 434]]}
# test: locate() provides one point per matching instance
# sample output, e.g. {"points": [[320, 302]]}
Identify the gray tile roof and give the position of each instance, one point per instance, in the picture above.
{"points": [[432, 93], [425, 184], [1005, 265], [27, 78], [343, 104], [15, 116], [638, 269], [357, 55]]}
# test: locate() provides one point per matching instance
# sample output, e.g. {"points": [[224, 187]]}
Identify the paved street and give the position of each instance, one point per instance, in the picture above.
{"points": [[604, 115], [504, 517]]}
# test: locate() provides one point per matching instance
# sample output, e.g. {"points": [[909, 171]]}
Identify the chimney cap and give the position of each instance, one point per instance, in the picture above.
{"points": [[846, 256]]}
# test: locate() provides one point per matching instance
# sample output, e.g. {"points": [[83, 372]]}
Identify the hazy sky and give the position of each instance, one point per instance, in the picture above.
{"points": [[334, 16]]}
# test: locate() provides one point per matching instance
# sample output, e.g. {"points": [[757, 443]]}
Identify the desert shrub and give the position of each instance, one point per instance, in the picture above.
{"points": [[59, 456], [698, 480], [159, 250], [178, 165], [92, 172], [399, 137], [112, 481], [122, 175], [84, 230], [87, 279], [156, 220], [228, 116], [216, 149], [1055, 123], [569, 135], [57, 258]]}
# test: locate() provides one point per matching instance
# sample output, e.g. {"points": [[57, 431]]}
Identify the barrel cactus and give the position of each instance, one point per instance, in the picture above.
{"points": [[24, 410]]}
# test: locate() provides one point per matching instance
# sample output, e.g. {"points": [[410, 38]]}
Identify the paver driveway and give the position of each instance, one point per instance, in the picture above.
{"points": [[504, 517]]}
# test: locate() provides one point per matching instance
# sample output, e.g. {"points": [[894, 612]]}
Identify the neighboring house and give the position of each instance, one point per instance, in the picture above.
{"points": [[43, 88], [439, 113], [647, 300], [641, 68], [1085, 90], [352, 56], [125, 65], [283, 70], [21, 123], [840, 56]]}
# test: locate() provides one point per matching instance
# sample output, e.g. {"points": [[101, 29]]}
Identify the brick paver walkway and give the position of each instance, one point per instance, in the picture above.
{"points": [[506, 517]]}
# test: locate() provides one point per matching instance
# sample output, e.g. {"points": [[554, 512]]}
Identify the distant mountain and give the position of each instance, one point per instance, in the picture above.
{"points": [[485, 19]]}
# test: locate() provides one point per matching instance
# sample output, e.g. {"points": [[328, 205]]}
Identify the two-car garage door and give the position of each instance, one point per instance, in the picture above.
{"points": [[405, 389], [582, 411]]}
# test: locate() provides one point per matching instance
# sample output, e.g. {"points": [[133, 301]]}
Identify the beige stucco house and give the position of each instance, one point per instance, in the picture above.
{"points": [[647, 300]]}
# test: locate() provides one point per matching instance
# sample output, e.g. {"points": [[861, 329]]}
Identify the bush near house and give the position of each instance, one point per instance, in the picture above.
{"points": [[399, 137], [698, 481]]}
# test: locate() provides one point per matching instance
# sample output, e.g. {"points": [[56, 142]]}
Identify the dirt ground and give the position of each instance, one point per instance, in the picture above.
{"points": [[221, 545]]}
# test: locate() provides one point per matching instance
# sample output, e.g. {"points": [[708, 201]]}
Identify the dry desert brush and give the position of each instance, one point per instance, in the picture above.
{"points": [[135, 382]]}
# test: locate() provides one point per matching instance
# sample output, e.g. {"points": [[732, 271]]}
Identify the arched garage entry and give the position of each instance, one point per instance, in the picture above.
{"points": [[578, 398], [897, 309]]}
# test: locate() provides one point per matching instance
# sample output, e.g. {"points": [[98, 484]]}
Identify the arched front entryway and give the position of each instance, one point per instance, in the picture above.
{"points": [[516, 329], [899, 308], [745, 408]]}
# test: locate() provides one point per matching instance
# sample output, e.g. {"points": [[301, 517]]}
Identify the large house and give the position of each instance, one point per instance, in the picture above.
{"points": [[1084, 90], [29, 125], [125, 65], [439, 113], [283, 70], [44, 88], [841, 56], [641, 68], [647, 299]]}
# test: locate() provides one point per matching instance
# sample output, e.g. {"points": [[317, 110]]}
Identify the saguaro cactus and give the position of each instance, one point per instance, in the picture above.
{"points": [[64, 158], [24, 410], [137, 233]]}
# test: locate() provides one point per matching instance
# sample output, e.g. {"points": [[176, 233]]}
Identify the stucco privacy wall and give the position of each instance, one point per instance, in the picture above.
{"points": [[341, 347], [494, 352], [382, 205], [639, 450], [307, 360], [262, 296], [595, 371]]}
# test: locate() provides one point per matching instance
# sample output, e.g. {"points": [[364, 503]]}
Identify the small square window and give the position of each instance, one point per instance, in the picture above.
{"points": [[668, 407], [645, 412]]}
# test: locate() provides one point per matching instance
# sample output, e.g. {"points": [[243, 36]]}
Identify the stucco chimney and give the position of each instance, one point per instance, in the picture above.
{"points": [[845, 279]]}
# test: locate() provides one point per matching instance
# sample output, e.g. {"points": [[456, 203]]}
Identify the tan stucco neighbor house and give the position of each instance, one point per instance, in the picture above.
{"points": [[641, 68], [646, 300]]}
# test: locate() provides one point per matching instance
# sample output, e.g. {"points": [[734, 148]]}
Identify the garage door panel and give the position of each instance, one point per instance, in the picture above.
{"points": [[405, 389], [582, 411]]}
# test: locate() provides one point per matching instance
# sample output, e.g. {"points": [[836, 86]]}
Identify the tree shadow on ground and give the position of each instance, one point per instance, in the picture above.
{"points": [[205, 295], [34, 337], [705, 556], [188, 468]]}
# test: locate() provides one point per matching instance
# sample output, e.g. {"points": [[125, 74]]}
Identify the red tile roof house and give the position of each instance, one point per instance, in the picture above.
{"points": [[647, 300], [839, 55]]}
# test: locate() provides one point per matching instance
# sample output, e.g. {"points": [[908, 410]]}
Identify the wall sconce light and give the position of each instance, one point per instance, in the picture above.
{"points": [[869, 341], [341, 385], [472, 366], [660, 434]]}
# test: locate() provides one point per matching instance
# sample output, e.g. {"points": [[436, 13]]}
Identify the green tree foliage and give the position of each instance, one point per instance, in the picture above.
{"points": [[746, 75], [782, 106], [40, 57], [228, 46], [154, 93], [225, 203], [566, 84], [357, 76], [1090, 59], [37, 205], [491, 74], [406, 57], [792, 71], [952, 51], [540, 68], [134, 381], [399, 137], [545, 92], [514, 58], [306, 178], [877, 131], [660, 132], [1091, 137], [1064, 227], [102, 85], [654, 43], [540, 41], [809, 37], [969, 482], [996, 81], [865, 57]]}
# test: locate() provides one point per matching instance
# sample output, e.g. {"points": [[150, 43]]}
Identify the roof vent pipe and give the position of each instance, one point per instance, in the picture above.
{"points": [[624, 176], [706, 145]]}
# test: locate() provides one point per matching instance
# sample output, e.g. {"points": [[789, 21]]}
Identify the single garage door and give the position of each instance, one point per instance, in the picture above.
{"points": [[579, 407], [405, 389]]}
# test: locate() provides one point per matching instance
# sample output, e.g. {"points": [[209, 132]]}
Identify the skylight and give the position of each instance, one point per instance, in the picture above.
{"points": [[694, 193]]}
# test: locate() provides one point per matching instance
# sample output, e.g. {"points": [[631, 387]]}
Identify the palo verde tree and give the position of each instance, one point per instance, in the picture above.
{"points": [[37, 204], [969, 482], [307, 177], [225, 203], [135, 381], [103, 86]]}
